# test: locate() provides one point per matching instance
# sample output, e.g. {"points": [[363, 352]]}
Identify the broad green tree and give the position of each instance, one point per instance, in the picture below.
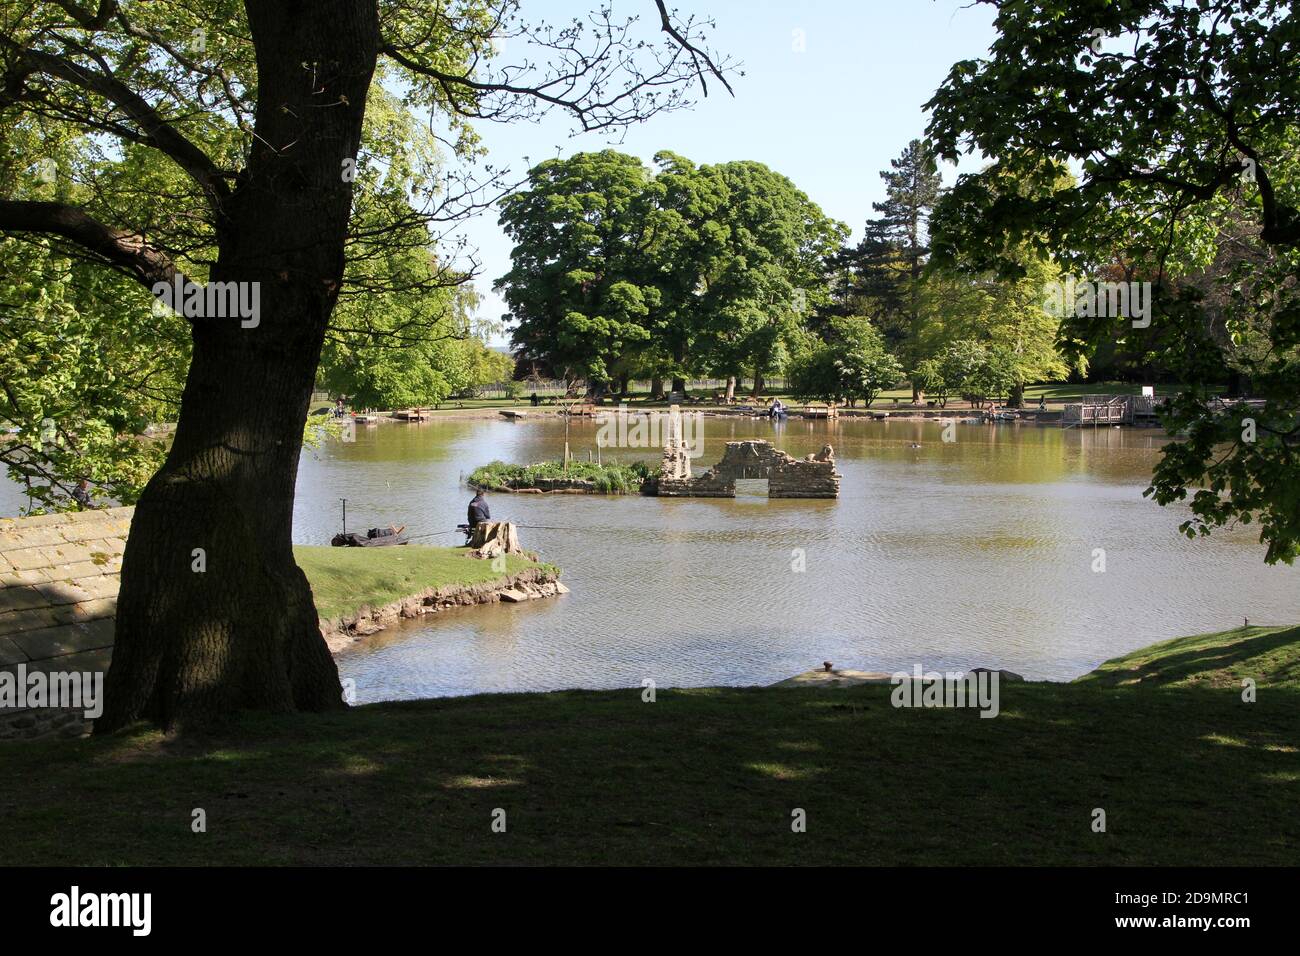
{"points": [[580, 290], [852, 366], [928, 377], [1008, 314], [867, 366], [691, 238], [770, 273], [977, 372], [815, 374]]}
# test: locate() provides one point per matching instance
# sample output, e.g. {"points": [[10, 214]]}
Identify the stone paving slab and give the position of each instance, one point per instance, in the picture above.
{"points": [[62, 592], [22, 598], [14, 578], [65, 639], [30, 538], [85, 611], [83, 569], [105, 586], [25, 559], [32, 619], [97, 659], [10, 653]]}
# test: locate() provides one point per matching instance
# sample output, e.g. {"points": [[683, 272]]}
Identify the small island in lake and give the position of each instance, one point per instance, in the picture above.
{"points": [[787, 477], [580, 477]]}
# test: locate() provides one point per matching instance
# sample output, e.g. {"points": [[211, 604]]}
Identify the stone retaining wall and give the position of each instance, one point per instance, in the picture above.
{"points": [[58, 587], [59, 576]]}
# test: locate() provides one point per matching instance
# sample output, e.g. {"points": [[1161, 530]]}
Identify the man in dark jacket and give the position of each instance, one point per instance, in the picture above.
{"points": [[478, 509], [82, 494]]}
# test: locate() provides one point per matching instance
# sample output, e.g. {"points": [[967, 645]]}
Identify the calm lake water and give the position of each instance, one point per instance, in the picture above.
{"points": [[978, 552]]}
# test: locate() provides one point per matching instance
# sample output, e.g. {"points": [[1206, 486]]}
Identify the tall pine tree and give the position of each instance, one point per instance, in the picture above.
{"points": [[887, 264]]}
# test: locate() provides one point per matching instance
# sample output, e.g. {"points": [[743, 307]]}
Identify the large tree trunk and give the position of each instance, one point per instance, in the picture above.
{"points": [[731, 388], [195, 645], [679, 385], [656, 387], [758, 384]]}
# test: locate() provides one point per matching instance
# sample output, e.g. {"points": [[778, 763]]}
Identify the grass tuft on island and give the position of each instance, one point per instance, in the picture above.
{"points": [[610, 478], [1187, 772], [346, 579]]}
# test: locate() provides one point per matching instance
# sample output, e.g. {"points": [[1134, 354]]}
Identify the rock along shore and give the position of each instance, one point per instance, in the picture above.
{"points": [[528, 585]]}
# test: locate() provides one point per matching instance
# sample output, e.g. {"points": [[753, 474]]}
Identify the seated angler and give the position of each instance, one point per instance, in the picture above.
{"points": [[478, 509]]}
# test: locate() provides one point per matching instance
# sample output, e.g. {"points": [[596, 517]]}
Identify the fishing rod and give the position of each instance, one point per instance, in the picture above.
{"points": [[531, 527]]}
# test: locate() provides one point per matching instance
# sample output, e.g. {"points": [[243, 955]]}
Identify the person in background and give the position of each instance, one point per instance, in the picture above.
{"points": [[478, 509], [82, 494]]}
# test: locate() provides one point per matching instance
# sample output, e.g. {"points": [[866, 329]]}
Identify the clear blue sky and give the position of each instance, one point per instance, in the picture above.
{"points": [[830, 117]]}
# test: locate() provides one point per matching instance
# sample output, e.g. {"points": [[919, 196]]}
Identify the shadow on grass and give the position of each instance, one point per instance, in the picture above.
{"points": [[1186, 776]]}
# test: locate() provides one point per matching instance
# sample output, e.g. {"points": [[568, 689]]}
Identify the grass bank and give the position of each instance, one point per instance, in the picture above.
{"points": [[1187, 774], [1268, 655], [346, 579]]}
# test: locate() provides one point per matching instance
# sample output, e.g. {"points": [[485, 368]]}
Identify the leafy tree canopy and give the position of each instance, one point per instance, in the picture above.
{"points": [[1180, 120]]}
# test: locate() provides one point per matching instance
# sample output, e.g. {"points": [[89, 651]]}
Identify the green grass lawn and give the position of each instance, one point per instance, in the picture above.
{"points": [[1187, 774], [344, 579]]}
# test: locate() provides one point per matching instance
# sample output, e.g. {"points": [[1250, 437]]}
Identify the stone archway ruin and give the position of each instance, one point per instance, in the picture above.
{"points": [[787, 477]]}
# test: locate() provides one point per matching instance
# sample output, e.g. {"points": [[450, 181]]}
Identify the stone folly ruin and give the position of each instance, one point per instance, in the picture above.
{"points": [[787, 477]]}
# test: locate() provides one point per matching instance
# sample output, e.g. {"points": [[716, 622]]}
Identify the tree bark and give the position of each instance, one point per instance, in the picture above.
{"points": [[213, 614], [731, 388], [758, 384], [656, 387], [1017, 397], [679, 385]]}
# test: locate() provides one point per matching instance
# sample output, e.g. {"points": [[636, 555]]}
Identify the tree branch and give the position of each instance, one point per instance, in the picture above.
{"points": [[127, 252], [602, 88], [90, 21], [158, 132], [666, 24]]}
